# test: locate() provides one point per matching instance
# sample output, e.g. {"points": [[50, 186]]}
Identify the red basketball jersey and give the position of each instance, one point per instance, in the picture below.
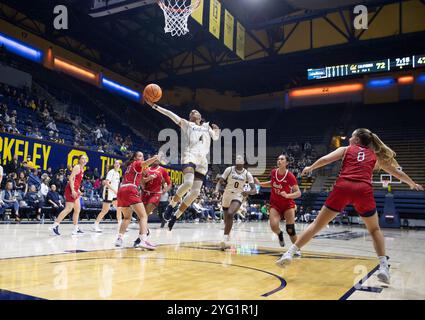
{"points": [[358, 164], [281, 183], [133, 174], [78, 180], [161, 174]]}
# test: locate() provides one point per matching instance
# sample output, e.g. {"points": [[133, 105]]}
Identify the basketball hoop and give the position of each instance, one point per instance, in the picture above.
{"points": [[176, 13]]}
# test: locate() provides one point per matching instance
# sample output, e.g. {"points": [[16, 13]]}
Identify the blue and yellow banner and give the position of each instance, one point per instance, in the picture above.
{"points": [[46, 154]]}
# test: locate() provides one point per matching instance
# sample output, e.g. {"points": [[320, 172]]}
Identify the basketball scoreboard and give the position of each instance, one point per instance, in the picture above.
{"points": [[385, 65]]}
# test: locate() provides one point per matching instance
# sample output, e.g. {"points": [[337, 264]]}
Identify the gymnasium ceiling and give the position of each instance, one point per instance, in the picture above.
{"points": [[133, 43]]}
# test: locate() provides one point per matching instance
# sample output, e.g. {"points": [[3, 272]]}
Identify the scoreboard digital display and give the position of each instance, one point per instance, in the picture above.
{"points": [[385, 65]]}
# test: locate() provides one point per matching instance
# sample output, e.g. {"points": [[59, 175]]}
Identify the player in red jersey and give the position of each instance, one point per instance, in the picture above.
{"points": [[155, 182], [72, 197], [365, 153], [282, 205], [155, 177], [129, 198]]}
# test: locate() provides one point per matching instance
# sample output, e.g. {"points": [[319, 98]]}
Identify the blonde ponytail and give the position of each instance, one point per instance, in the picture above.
{"points": [[384, 153]]}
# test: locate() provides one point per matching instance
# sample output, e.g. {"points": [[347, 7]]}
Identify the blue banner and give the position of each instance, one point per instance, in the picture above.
{"points": [[46, 154]]}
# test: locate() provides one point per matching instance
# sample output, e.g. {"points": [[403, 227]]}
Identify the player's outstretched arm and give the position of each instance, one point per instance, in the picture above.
{"points": [[403, 177], [150, 161], [336, 155], [266, 184], [177, 120]]}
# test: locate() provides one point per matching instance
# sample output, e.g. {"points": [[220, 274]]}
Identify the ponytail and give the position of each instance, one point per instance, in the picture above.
{"points": [[384, 153]]}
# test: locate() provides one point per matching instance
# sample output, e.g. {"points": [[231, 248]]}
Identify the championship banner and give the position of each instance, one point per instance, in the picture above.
{"points": [[240, 41], [229, 29], [215, 18], [198, 14]]}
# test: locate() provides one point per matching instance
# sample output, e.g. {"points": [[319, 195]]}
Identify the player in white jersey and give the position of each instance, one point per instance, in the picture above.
{"points": [[235, 178], [196, 143], [109, 195]]}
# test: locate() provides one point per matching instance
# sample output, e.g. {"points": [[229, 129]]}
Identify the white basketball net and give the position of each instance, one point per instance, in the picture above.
{"points": [[176, 14]]}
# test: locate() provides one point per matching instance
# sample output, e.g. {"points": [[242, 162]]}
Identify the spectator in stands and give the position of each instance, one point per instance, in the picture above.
{"points": [[97, 134], [13, 165], [52, 126], [37, 133], [53, 199], [1, 175], [60, 182], [21, 184], [51, 136], [28, 163], [9, 198], [265, 211], [14, 129], [2, 128], [44, 187], [45, 115], [34, 200], [34, 179]]}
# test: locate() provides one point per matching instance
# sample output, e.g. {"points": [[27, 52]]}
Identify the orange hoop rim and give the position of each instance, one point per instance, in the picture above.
{"points": [[190, 8]]}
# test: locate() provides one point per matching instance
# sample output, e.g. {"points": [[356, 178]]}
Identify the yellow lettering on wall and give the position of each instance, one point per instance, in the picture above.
{"points": [[36, 155], [46, 154], [26, 150], [7, 150], [104, 165], [18, 144]]}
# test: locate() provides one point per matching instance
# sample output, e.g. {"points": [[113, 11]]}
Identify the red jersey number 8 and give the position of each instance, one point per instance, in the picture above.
{"points": [[361, 156]]}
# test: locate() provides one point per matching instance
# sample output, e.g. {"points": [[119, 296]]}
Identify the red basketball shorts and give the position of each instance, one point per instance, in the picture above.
{"points": [[128, 196], [151, 198], [282, 205], [358, 194], [68, 194]]}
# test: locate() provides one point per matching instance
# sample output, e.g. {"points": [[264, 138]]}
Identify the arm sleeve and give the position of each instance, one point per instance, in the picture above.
{"points": [[166, 177], [169, 114]]}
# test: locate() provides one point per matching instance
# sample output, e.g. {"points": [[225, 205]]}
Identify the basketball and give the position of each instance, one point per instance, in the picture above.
{"points": [[152, 93]]}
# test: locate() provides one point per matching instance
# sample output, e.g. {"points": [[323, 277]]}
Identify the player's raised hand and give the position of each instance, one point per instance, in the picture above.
{"points": [[306, 171], [214, 126], [417, 187]]}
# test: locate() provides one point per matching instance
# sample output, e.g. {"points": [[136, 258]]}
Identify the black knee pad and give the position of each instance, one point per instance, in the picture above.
{"points": [[290, 229]]}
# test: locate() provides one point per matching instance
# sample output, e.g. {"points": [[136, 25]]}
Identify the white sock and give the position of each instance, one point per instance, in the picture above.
{"points": [[383, 260], [96, 224], [76, 227], [143, 237], [120, 236], [226, 237], [55, 224], [293, 249]]}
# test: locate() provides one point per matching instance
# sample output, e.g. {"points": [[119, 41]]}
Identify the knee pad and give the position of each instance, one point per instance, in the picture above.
{"points": [[187, 184], [194, 193], [290, 229]]}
